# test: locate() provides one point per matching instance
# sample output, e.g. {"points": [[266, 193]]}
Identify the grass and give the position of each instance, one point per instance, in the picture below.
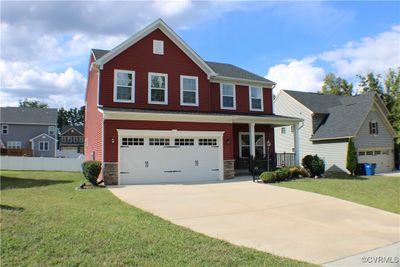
{"points": [[382, 192], [46, 222]]}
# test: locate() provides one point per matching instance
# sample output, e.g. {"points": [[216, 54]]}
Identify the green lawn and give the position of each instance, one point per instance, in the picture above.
{"points": [[46, 222], [382, 192]]}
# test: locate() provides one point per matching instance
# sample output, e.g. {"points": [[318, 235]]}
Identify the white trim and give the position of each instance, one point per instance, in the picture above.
{"points": [[161, 44], [116, 71], [7, 127], [54, 130], [244, 82], [213, 118], [72, 127], [158, 24], [28, 123], [196, 104], [247, 133], [41, 135], [173, 133], [250, 98], [165, 102], [221, 96], [284, 91]]}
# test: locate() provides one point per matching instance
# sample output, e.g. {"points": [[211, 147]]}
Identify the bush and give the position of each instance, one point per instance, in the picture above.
{"points": [[296, 171], [268, 177], [282, 174], [351, 161], [314, 165], [91, 170]]}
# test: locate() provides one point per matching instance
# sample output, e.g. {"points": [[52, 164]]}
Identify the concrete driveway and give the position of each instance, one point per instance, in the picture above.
{"points": [[282, 221]]}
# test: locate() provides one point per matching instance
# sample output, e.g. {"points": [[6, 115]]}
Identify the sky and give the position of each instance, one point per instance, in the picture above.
{"points": [[45, 45]]}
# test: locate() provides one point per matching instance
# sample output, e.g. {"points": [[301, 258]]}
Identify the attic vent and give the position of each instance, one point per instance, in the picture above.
{"points": [[158, 47]]}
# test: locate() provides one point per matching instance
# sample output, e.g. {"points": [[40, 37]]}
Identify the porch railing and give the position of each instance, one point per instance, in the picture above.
{"points": [[265, 163]]}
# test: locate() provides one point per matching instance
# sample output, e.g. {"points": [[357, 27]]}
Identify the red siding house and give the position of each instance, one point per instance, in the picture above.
{"points": [[156, 112]]}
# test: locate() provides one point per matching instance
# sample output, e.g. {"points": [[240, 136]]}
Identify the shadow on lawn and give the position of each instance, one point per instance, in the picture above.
{"points": [[13, 183], [11, 208], [346, 177]]}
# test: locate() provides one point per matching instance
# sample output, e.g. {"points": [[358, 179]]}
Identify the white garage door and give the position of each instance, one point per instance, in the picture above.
{"points": [[383, 158], [163, 159]]}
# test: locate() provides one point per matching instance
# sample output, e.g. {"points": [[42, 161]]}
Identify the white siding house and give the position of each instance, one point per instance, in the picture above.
{"points": [[329, 122]]}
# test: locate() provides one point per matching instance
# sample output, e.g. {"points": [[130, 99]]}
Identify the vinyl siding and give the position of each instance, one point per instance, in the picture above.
{"points": [[333, 153], [48, 153], [23, 133], [384, 138]]}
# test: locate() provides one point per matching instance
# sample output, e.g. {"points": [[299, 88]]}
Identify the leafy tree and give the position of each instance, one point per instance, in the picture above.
{"points": [[370, 83], [351, 161], [336, 86], [391, 97], [73, 116], [28, 103]]}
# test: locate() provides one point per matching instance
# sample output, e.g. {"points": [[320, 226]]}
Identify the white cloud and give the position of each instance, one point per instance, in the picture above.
{"points": [[169, 8], [371, 54], [22, 80], [299, 75]]}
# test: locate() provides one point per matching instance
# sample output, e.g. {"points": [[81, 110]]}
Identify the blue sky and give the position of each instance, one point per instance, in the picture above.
{"points": [[45, 47]]}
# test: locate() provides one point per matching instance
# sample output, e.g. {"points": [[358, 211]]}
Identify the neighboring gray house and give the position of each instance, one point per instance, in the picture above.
{"points": [[329, 122], [29, 128], [71, 138]]}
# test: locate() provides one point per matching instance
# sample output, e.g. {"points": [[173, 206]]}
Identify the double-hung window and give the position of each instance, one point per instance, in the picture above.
{"points": [[373, 128], [256, 98], [52, 130], [4, 129], [43, 146], [124, 86], [244, 145], [228, 96], [189, 91], [158, 88]]}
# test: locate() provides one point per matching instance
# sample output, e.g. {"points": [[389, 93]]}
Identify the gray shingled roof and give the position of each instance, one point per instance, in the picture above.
{"points": [[28, 115], [345, 114], [77, 127], [222, 69]]}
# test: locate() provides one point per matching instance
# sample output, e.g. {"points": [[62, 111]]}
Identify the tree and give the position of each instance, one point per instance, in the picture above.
{"points": [[27, 103], [370, 83], [351, 161], [391, 97], [336, 86], [73, 116]]}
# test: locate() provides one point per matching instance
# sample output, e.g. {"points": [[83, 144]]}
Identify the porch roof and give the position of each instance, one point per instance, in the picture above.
{"points": [[190, 116]]}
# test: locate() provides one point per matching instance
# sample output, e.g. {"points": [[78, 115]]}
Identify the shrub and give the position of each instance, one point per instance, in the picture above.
{"points": [[296, 171], [282, 174], [268, 177], [314, 165], [91, 170], [351, 161]]}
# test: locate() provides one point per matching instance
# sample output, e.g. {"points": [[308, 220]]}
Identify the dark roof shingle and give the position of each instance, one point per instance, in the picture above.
{"points": [[24, 115]]}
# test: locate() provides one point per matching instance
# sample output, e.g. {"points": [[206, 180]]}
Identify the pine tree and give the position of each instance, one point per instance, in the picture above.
{"points": [[351, 162]]}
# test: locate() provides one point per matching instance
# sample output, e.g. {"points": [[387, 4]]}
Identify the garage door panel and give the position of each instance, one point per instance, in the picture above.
{"points": [[186, 162], [382, 158]]}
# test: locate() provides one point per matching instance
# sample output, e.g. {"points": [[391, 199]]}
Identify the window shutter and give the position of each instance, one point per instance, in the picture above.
{"points": [[376, 126], [370, 127]]}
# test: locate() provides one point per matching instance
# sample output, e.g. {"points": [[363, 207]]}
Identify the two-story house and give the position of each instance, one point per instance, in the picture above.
{"points": [[157, 112], [29, 128], [71, 138], [328, 123]]}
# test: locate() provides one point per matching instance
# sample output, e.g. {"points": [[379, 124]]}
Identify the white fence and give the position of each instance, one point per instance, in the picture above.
{"points": [[39, 163]]}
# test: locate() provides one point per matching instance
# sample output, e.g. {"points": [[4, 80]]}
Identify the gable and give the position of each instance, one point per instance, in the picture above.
{"points": [[158, 25], [72, 132]]}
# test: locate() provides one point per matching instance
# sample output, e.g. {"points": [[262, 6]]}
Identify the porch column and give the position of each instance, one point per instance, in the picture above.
{"points": [[252, 138], [296, 144]]}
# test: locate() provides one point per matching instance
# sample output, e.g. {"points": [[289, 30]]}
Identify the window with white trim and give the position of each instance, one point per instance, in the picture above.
{"points": [[43, 146], [81, 139], [63, 139], [14, 144], [244, 145], [158, 47], [256, 98], [69, 139], [158, 88], [129, 141], [207, 142], [361, 153], [52, 130], [4, 129], [124, 86], [283, 130], [373, 128], [228, 96], [159, 142], [189, 90], [75, 139], [184, 142]]}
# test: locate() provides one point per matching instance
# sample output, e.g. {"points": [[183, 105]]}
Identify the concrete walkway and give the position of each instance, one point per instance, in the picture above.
{"points": [[282, 221]]}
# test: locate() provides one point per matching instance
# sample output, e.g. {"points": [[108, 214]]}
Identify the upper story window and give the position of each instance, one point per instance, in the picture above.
{"points": [[124, 86], [4, 129], [63, 139], [75, 139], [256, 99], [283, 130], [81, 139], [52, 130], [373, 128], [158, 88], [158, 47], [189, 91], [69, 139], [228, 96], [14, 144], [43, 146]]}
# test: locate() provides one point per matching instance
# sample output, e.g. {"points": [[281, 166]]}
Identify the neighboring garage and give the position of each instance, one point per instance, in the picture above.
{"points": [[147, 157], [383, 158]]}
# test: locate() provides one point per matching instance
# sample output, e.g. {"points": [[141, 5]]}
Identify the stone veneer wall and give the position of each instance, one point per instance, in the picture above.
{"points": [[229, 169], [110, 173]]}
